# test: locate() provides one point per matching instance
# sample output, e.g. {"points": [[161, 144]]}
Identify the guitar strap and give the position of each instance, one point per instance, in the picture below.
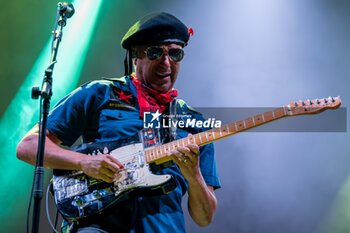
{"points": [[173, 117], [172, 134]]}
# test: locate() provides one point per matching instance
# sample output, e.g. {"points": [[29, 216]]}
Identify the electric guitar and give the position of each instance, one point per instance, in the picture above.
{"points": [[78, 195]]}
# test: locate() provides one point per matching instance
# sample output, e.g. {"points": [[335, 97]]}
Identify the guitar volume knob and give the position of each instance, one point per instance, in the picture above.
{"points": [[78, 201]]}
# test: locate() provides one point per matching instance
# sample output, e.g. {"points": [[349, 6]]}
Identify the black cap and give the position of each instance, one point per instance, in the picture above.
{"points": [[156, 28]]}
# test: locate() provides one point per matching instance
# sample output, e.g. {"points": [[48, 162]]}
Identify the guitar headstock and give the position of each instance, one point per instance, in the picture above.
{"points": [[312, 106]]}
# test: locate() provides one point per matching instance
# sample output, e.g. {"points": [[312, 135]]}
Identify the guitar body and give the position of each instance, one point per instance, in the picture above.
{"points": [[78, 195]]}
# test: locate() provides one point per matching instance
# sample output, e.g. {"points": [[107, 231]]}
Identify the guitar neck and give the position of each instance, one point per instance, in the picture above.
{"points": [[157, 154]]}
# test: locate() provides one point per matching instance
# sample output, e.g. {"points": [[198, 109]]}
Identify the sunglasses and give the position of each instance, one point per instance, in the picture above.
{"points": [[175, 54]]}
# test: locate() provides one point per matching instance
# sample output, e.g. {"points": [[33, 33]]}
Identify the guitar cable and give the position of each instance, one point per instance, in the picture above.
{"points": [[48, 212], [56, 218]]}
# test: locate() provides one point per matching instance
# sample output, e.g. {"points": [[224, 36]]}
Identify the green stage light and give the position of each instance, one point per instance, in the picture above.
{"points": [[337, 218], [22, 113]]}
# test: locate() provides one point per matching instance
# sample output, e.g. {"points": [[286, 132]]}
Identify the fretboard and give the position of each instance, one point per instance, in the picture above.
{"points": [[158, 155]]}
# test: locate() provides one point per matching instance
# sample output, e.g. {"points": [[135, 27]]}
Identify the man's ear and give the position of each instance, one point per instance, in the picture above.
{"points": [[134, 55], [133, 52]]}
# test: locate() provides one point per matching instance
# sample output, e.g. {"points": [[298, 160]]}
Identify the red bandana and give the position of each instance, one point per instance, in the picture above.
{"points": [[151, 100]]}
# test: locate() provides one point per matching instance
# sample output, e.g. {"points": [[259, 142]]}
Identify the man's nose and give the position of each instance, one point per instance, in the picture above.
{"points": [[165, 59]]}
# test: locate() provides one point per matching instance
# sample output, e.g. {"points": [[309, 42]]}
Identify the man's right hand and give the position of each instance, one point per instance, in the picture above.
{"points": [[104, 167]]}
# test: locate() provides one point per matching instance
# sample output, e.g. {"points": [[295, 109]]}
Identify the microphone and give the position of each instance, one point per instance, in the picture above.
{"points": [[66, 8]]}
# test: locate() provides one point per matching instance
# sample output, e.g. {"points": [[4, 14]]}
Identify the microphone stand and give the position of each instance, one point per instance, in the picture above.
{"points": [[45, 94]]}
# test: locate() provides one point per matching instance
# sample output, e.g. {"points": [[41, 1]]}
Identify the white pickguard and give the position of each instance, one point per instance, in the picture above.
{"points": [[136, 172]]}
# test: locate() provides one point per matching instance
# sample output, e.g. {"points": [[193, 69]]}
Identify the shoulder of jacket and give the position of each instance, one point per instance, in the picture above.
{"points": [[184, 106], [122, 80]]}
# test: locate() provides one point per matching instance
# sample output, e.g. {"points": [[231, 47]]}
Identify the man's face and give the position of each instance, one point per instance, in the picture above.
{"points": [[159, 74]]}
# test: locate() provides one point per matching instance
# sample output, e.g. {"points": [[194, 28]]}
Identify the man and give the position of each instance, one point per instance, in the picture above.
{"points": [[113, 109]]}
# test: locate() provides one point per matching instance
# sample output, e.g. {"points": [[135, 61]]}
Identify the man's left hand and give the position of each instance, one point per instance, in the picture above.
{"points": [[187, 158]]}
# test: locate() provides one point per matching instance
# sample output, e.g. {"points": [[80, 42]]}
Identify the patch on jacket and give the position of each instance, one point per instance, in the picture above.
{"points": [[121, 98]]}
